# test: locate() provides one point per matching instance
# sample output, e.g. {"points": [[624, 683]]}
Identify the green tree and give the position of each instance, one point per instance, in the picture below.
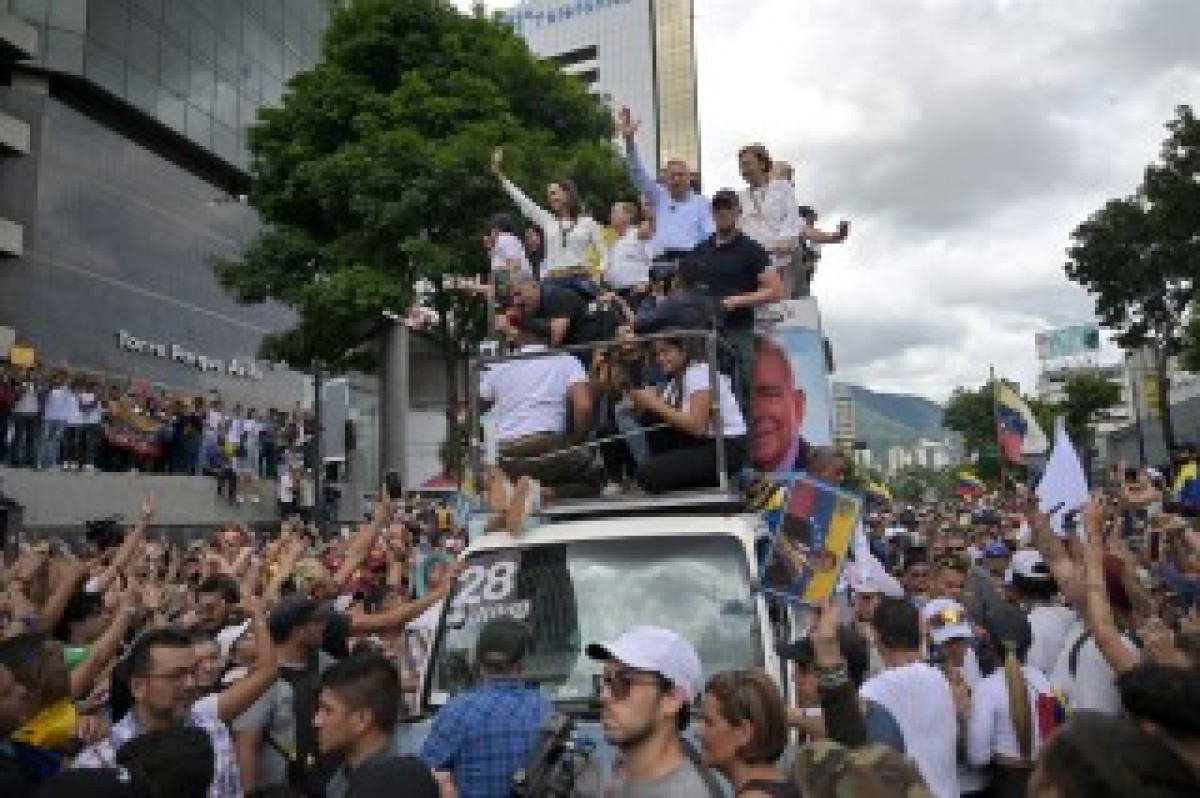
{"points": [[1087, 397], [1139, 256], [374, 174]]}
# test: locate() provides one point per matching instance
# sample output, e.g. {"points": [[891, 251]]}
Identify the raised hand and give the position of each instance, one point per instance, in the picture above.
{"points": [[627, 126]]}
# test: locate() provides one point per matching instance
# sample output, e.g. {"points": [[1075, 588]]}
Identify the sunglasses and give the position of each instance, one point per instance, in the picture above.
{"points": [[621, 681]]}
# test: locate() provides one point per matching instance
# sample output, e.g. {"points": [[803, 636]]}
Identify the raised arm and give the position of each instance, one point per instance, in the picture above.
{"points": [[627, 128], [239, 696], [530, 209]]}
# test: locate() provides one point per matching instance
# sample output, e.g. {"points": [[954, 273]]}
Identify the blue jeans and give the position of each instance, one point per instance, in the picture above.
{"points": [[50, 446], [635, 437]]}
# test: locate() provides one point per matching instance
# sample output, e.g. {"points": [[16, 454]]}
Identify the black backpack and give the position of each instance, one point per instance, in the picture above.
{"points": [[308, 771]]}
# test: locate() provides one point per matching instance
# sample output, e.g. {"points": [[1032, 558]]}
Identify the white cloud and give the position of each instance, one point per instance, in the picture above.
{"points": [[964, 139]]}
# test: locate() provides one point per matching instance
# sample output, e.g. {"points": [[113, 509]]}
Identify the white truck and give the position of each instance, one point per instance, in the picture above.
{"points": [[590, 570]]}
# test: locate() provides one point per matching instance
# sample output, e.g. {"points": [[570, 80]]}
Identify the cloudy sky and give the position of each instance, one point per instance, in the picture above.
{"points": [[964, 139]]}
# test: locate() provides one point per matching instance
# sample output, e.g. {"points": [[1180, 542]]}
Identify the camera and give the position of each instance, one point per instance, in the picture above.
{"points": [[104, 533], [555, 763]]}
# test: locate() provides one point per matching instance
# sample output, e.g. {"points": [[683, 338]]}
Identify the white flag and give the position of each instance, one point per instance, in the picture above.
{"points": [[1063, 487]]}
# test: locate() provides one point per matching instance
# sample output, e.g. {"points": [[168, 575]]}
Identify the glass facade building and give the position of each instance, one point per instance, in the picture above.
{"points": [[635, 53], [200, 68]]}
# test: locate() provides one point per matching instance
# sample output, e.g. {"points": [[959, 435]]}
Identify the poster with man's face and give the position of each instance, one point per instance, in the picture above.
{"points": [[791, 398]]}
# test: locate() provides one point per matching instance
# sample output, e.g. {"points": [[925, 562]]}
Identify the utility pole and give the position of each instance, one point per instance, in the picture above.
{"points": [[318, 448]]}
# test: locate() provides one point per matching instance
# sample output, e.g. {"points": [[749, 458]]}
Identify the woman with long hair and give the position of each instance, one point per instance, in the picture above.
{"points": [[571, 237], [1014, 710], [683, 447], [743, 730]]}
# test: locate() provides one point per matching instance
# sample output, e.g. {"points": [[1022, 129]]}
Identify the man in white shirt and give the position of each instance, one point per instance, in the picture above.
{"points": [[541, 407], [917, 695], [61, 406], [770, 214]]}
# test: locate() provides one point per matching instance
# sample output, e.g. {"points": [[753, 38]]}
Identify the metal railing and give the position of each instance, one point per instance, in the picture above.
{"points": [[714, 345]]}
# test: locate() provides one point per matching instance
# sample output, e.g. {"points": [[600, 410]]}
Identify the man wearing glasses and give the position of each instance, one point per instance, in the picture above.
{"points": [[162, 678], [651, 676]]}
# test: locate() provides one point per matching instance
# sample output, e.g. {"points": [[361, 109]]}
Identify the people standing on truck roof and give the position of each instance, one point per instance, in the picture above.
{"points": [[572, 237], [740, 277], [651, 677], [683, 450], [482, 736], [770, 214], [682, 215]]}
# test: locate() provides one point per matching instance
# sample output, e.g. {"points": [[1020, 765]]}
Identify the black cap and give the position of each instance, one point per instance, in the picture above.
{"points": [[1008, 627], [503, 642], [294, 611], [726, 198]]}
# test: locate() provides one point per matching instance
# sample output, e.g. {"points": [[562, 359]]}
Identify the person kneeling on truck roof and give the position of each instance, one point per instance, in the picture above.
{"points": [[683, 449]]}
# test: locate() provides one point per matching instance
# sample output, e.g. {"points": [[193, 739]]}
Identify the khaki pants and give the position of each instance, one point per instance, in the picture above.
{"points": [[544, 456]]}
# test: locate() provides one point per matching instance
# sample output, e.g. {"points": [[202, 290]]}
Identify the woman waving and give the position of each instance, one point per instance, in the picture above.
{"points": [[572, 238]]}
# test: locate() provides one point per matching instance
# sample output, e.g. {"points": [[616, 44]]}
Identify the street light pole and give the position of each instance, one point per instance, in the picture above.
{"points": [[318, 449]]}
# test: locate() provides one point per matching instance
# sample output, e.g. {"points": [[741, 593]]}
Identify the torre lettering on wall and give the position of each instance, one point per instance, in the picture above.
{"points": [[244, 368]]}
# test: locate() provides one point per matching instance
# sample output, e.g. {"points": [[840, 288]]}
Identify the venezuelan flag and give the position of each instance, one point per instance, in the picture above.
{"points": [[969, 484]]}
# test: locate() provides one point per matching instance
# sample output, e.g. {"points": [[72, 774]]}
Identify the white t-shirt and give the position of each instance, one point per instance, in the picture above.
{"points": [[1050, 625], [508, 247], [1094, 685], [771, 216], [530, 396], [695, 378], [61, 405], [627, 261], [919, 698], [91, 409], [990, 728], [287, 488]]}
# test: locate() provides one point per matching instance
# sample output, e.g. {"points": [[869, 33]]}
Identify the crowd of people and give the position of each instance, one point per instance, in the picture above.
{"points": [[970, 651], [54, 419]]}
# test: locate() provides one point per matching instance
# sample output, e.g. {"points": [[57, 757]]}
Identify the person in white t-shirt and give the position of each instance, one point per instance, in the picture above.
{"points": [[1014, 710], [684, 450], [1033, 587], [61, 406], [628, 256], [540, 407], [770, 214], [917, 695]]}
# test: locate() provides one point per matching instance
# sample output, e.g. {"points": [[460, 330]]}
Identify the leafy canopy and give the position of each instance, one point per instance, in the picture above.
{"points": [[1139, 256], [373, 175]]}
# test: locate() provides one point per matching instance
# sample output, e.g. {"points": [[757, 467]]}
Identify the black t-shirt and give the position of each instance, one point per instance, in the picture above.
{"points": [[386, 775], [563, 303], [730, 269]]}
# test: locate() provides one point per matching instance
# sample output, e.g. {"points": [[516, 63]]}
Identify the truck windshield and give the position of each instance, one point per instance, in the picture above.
{"points": [[573, 594]]}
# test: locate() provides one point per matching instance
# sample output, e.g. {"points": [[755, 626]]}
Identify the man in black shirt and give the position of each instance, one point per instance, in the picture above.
{"points": [[553, 312], [356, 718], [739, 276]]}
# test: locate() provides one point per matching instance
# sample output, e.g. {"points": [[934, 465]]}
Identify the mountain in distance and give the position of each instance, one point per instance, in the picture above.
{"points": [[893, 419]]}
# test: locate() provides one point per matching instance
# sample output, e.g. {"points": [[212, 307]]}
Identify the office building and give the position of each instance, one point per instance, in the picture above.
{"points": [[635, 53], [125, 190]]}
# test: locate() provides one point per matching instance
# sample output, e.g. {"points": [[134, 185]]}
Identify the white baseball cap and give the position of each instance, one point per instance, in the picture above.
{"points": [[654, 649], [1028, 564], [946, 619]]}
